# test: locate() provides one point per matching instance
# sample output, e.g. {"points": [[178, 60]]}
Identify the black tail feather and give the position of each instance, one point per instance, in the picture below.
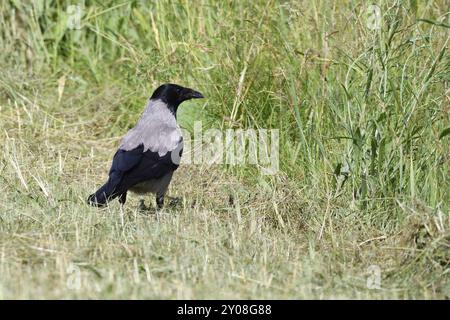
{"points": [[103, 195], [99, 198]]}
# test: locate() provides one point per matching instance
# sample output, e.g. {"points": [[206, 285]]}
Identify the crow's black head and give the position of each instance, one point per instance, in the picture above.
{"points": [[174, 95]]}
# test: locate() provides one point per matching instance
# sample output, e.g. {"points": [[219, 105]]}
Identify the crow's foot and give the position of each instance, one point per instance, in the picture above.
{"points": [[175, 201], [142, 207]]}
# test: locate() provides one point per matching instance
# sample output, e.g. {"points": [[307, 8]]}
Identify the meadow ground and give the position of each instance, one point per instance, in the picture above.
{"points": [[358, 209]]}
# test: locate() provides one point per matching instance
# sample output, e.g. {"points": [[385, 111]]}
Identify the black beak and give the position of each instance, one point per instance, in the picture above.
{"points": [[192, 94]]}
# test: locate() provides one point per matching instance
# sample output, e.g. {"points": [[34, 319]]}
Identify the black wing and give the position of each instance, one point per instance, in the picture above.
{"points": [[132, 167]]}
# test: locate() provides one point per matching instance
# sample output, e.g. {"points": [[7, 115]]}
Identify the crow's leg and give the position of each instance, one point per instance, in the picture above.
{"points": [[123, 198], [159, 201]]}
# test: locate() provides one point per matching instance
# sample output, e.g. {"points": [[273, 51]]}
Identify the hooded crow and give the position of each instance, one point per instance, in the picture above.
{"points": [[149, 153]]}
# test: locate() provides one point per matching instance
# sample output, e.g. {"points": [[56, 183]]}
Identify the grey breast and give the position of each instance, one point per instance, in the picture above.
{"points": [[156, 186]]}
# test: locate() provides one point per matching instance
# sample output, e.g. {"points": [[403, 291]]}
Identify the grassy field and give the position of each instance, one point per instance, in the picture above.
{"points": [[359, 208]]}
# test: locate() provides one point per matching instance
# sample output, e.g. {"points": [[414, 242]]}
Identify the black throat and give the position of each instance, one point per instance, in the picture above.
{"points": [[172, 108]]}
